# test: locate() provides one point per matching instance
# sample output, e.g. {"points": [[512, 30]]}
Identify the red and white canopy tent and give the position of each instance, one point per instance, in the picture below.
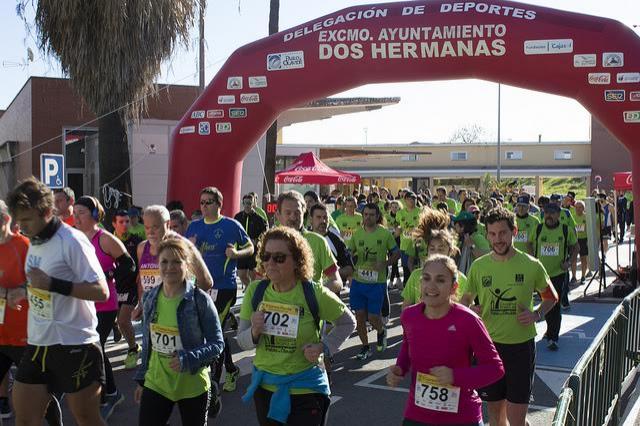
{"points": [[308, 169], [622, 181]]}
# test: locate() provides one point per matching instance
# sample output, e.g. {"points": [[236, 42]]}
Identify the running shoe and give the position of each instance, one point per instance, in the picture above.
{"points": [[5, 409], [110, 404], [231, 380], [365, 353], [382, 340], [553, 345], [131, 361]]}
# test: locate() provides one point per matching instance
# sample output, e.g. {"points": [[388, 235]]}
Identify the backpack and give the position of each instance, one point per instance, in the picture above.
{"points": [[565, 234], [309, 296]]}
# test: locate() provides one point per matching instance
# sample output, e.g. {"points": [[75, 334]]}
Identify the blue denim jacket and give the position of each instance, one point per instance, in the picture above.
{"points": [[200, 330]]}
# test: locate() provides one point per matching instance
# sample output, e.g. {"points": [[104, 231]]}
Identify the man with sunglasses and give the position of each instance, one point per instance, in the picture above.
{"points": [[222, 241], [254, 225], [290, 212]]}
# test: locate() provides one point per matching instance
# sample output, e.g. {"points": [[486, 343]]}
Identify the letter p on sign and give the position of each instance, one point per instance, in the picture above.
{"points": [[52, 170]]}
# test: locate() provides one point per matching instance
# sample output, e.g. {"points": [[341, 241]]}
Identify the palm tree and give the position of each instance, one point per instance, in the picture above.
{"points": [[112, 52]]}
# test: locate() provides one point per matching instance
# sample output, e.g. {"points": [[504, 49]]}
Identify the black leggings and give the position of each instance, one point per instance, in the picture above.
{"points": [[155, 409], [12, 355], [311, 409], [105, 325], [224, 302]]}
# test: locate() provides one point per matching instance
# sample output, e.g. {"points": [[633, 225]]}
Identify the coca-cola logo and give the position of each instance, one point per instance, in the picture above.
{"points": [[293, 179], [599, 78], [346, 179], [310, 169], [629, 180]]}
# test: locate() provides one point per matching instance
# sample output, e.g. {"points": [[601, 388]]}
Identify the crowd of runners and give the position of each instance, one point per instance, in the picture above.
{"points": [[476, 274]]}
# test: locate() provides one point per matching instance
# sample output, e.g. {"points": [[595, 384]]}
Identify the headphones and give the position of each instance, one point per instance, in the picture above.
{"points": [[92, 204]]}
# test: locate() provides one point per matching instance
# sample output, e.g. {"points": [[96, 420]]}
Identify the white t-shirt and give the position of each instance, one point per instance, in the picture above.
{"points": [[55, 319]]}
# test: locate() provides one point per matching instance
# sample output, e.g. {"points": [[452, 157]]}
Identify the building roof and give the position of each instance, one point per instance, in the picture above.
{"points": [[322, 109]]}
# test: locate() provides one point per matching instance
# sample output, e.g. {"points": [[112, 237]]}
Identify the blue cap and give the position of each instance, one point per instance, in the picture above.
{"points": [[523, 199], [134, 212]]}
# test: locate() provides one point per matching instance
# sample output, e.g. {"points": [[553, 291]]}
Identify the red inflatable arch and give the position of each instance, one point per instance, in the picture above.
{"points": [[591, 59]]}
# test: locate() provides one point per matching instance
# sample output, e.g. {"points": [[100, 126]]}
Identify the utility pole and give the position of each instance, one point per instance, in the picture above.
{"points": [[272, 132], [201, 47]]}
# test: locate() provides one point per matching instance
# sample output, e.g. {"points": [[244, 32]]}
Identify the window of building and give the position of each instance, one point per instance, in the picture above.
{"points": [[562, 154], [513, 155], [458, 156]]}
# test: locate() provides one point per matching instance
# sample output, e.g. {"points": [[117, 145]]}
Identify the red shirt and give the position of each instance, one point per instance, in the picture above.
{"points": [[13, 331], [70, 221]]}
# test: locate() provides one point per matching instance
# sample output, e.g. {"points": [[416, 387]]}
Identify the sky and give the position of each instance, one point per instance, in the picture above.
{"points": [[427, 112]]}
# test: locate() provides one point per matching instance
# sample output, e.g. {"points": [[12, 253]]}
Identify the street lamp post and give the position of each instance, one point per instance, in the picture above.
{"points": [[499, 161]]}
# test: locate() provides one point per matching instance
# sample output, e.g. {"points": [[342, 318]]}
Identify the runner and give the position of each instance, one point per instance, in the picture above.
{"points": [[127, 289], [311, 199], [281, 315], [178, 222], [581, 232], [441, 241], [258, 209], [391, 218], [441, 195], [320, 225], [430, 220], [448, 352], [136, 228], [408, 218], [156, 227], [63, 200], [65, 279], [254, 225], [115, 262], [290, 212], [14, 309], [504, 281], [350, 220], [472, 243], [556, 246], [374, 250], [181, 338], [222, 241], [526, 224]]}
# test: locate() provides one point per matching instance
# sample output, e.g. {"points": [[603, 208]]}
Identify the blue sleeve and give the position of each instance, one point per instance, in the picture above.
{"points": [[213, 345], [242, 236], [191, 230]]}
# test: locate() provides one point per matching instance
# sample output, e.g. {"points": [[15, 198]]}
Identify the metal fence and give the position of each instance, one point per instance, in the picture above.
{"points": [[591, 395]]}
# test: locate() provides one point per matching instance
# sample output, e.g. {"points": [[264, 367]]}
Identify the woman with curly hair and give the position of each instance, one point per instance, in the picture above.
{"points": [[280, 317], [430, 220], [441, 241]]}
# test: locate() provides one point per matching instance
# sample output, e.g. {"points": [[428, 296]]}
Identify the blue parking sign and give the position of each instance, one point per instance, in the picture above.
{"points": [[52, 170]]}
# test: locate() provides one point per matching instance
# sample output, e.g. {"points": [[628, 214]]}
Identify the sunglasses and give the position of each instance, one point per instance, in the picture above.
{"points": [[207, 202], [277, 257]]}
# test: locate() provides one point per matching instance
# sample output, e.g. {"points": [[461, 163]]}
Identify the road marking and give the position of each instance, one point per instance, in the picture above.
{"points": [[367, 382]]}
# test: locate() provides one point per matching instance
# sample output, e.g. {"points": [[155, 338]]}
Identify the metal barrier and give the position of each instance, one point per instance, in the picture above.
{"points": [[596, 380]]}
